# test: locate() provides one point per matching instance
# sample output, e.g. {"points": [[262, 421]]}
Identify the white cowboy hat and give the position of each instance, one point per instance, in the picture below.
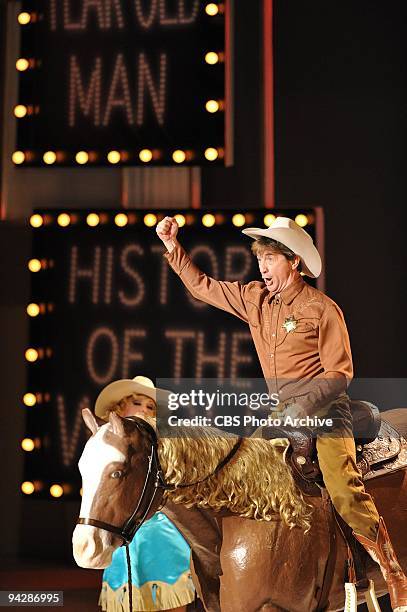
{"points": [[117, 390], [289, 233]]}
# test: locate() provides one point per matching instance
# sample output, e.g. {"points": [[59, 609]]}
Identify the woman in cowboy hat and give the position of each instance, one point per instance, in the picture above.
{"points": [[303, 347], [160, 582]]}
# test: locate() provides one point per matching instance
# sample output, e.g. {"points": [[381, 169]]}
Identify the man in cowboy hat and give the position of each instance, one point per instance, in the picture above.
{"points": [[303, 347]]}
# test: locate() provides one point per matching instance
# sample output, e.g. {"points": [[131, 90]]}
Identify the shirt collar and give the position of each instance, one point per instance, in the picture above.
{"points": [[289, 293]]}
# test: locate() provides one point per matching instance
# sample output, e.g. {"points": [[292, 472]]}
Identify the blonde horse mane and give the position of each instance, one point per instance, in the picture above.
{"points": [[256, 483]]}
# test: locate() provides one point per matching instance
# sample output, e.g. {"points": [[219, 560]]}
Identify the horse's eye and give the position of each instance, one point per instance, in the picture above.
{"points": [[117, 474]]}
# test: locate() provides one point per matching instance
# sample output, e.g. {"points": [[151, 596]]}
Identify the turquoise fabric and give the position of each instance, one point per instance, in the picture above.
{"points": [[158, 552]]}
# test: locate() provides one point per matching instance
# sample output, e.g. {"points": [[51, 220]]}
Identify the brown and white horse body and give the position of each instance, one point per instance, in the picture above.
{"points": [[241, 564]]}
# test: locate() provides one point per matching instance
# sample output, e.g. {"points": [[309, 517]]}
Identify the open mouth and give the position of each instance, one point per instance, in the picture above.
{"points": [[267, 280]]}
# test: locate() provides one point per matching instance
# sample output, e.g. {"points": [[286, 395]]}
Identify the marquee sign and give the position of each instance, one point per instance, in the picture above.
{"points": [[143, 79], [109, 307]]}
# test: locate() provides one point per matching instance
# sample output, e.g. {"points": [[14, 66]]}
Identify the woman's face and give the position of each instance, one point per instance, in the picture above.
{"points": [[135, 405]]}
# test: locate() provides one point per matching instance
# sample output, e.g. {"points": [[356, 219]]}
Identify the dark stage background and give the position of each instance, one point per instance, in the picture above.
{"points": [[341, 140]]}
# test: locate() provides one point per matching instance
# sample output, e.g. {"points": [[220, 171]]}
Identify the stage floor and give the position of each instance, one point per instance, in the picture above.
{"points": [[80, 586]]}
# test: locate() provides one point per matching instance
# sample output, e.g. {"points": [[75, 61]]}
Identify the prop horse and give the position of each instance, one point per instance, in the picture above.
{"points": [[258, 542]]}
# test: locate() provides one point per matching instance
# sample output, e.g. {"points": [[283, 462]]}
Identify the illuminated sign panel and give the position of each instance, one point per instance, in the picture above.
{"points": [[125, 76], [111, 307]]}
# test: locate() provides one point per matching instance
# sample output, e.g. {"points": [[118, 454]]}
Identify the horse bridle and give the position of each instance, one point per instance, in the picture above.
{"points": [[155, 478]]}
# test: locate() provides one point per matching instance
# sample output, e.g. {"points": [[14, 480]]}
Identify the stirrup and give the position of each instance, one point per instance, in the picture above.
{"points": [[371, 599], [351, 598]]}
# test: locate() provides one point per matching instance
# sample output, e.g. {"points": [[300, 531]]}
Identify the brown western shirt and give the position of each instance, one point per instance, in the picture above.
{"points": [[300, 334]]}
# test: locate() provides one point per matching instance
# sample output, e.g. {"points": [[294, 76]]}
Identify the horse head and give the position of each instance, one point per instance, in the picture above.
{"points": [[115, 477]]}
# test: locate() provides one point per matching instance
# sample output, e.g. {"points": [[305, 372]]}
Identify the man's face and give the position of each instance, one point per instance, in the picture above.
{"points": [[135, 405], [275, 269]]}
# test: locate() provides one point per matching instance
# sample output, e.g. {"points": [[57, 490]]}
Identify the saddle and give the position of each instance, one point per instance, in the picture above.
{"points": [[379, 448]]}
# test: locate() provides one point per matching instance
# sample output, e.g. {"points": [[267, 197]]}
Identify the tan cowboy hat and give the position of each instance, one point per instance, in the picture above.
{"points": [[289, 233], [117, 390]]}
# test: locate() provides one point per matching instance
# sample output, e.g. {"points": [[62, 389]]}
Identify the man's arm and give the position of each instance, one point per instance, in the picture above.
{"points": [[222, 294], [336, 360]]}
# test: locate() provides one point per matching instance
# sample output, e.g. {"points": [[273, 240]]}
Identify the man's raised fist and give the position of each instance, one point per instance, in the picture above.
{"points": [[167, 229]]}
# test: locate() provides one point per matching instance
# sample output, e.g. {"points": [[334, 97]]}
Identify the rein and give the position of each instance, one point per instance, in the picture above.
{"points": [[154, 477]]}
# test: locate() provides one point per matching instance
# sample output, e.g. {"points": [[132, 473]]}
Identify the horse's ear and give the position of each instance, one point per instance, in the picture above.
{"points": [[117, 424], [91, 421]]}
